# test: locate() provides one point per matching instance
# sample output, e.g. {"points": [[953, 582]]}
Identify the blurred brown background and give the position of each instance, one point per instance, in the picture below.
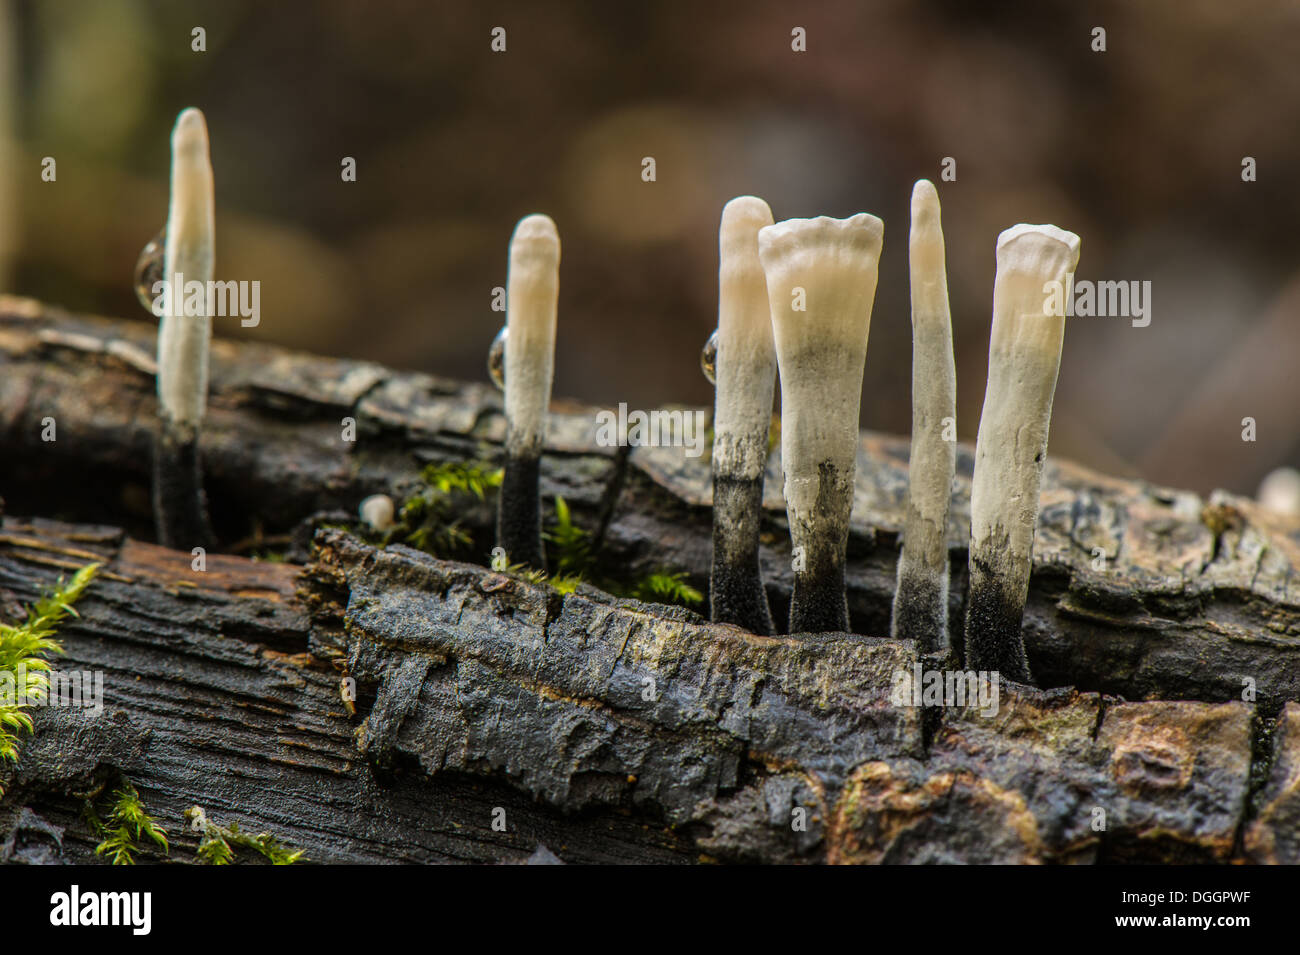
{"points": [[1138, 149]]}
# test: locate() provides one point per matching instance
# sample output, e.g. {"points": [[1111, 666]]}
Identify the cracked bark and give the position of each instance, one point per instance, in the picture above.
{"points": [[479, 690]]}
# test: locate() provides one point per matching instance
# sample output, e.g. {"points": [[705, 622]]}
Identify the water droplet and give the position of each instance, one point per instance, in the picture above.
{"points": [[149, 268], [497, 359], [709, 358]]}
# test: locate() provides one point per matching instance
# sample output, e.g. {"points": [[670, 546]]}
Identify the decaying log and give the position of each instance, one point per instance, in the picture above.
{"points": [[606, 729], [212, 697], [1140, 591]]}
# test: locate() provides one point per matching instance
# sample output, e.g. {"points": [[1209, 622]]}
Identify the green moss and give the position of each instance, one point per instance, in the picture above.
{"points": [[217, 844], [126, 825], [24, 658], [432, 519], [573, 553], [562, 583], [667, 587]]}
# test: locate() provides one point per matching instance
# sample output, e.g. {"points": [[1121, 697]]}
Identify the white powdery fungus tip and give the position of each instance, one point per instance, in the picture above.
{"points": [[533, 287], [921, 599], [821, 284], [1033, 247], [746, 359], [1011, 447], [187, 257], [925, 205], [1024, 350]]}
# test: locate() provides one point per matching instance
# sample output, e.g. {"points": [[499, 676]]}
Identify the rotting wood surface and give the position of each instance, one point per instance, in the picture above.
{"points": [[479, 690]]}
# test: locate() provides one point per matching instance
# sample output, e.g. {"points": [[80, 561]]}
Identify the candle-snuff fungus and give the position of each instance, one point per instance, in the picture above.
{"points": [[821, 285], [794, 297], [1011, 446], [920, 609], [527, 362], [185, 329], [744, 374]]}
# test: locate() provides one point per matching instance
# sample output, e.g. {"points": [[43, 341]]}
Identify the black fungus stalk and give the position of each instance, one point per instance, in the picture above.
{"points": [[920, 608], [180, 506], [533, 287], [1011, 448], [821, 284], [745, 378]]}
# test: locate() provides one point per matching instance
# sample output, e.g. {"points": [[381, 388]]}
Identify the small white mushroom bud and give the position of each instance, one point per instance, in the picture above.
{"points": [[745, 376], [921, 600], [180, 509], [821, 284], [378, 512], [1011, 447], [532, 292], [1280, 491]]}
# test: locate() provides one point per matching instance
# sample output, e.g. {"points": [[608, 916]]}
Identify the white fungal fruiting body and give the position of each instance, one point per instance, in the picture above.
{"points": [[921, 599], [1024, 360], [188, 257], [745, 378], [821, 349], [746, 360], [533, 288], [1280, 491], [378, 512], [1011, 447], [821, 284]]}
